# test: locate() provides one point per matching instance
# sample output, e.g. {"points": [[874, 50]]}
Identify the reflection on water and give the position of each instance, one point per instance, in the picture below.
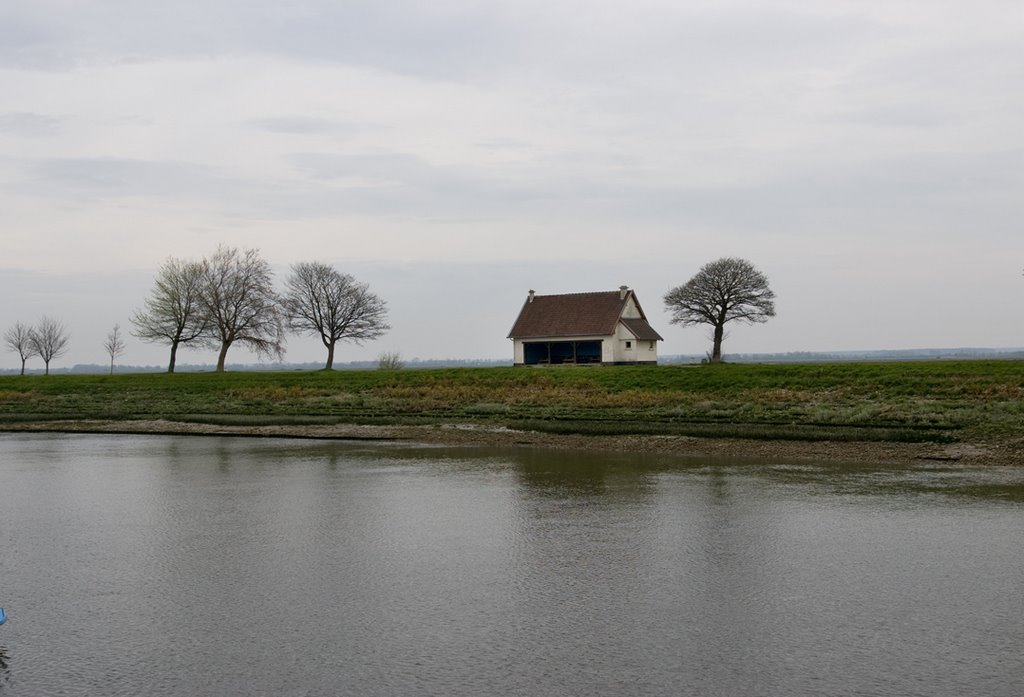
{"points": [[171, 566]]}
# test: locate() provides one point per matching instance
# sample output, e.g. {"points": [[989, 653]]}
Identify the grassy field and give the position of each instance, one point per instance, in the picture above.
{"points": [[941, 401]]}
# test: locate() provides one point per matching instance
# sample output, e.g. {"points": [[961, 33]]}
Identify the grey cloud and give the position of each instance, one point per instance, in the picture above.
{"points": [[946, 192], [381, 167], [942, 193], [720, 41], [29, 125], [904, 114], [296, 125], [936, 187], [173, 184], [950, 70], [49, 35], [399, 182], [407, 37], [452, 42], [404, 37], [503, 144], [469, 43], [399, 186], [938, 194], [117, 177], [29, 40]]}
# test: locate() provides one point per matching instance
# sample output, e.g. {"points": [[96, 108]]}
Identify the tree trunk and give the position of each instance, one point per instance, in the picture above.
{"points": [[174, 354], [225, 345], [23, 366], [330, 357], [46, 371], [111, 366], [716, 349]]}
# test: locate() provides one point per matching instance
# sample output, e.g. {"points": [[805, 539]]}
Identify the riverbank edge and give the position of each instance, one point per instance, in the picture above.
{"points": [[986, 453]]}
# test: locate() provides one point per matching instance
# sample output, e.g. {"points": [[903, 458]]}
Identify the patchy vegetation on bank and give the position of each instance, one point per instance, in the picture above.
{"points": [[927, 402]]}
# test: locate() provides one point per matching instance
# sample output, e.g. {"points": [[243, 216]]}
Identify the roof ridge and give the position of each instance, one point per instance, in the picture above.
{"points": [[586, 292]]}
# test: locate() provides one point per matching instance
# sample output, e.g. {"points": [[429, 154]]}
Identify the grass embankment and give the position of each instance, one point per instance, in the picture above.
{"points": [[894, 402]]}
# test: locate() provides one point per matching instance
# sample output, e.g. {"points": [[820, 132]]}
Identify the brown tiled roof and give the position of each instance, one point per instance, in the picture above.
{"points": [[574, 314]]}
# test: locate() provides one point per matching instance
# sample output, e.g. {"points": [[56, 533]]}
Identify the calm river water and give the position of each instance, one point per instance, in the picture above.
{"points": [[226, 566]]}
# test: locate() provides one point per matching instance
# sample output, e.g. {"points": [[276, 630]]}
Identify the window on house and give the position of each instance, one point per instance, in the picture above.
{"points": [[629, 345]]}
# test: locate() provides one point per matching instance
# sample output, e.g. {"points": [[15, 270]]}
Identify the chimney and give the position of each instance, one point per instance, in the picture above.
{"points": [[622, 292], [529, 297]]}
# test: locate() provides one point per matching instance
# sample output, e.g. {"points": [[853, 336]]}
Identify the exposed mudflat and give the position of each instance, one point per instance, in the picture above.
{"points": [[1004, 452]]}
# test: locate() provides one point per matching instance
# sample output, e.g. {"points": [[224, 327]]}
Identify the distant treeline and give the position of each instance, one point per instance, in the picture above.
{"points": [[93, 368], [678, 359], [876, 355]]}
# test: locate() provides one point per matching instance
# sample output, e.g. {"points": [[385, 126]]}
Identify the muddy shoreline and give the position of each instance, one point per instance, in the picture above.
{"points": [[964, 454]]}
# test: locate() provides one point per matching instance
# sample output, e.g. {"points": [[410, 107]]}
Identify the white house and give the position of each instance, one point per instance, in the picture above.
{"points": [[607, 327]]}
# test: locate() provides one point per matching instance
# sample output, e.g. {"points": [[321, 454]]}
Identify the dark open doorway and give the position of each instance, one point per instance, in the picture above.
{"points": [[559, 352]]}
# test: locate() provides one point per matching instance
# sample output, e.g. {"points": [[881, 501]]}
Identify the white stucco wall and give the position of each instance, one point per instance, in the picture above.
{"points": [[638, 351], [631, 311]]}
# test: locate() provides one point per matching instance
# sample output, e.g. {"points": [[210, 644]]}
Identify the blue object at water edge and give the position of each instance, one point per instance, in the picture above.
{"points": [[3, 617]]}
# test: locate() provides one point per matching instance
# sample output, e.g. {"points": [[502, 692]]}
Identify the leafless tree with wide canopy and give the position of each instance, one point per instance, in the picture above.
{"points": [[320, 301], [173, 313], [50, 340], [238, 299], [19, 339], [726, 290]]}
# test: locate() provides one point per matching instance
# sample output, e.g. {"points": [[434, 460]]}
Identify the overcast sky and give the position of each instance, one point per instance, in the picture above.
{"points": [[868, 156]]}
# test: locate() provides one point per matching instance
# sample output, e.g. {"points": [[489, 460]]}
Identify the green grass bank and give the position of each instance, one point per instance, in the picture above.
{"points": [[913, 402]]}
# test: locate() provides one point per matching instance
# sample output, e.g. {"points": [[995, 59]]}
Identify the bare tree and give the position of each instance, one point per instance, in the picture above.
{"points": [[173, 313], [49, 340], [240, 305], [114, 345], [390, 360], [320, 301], [19, 339], [722, 291]]}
